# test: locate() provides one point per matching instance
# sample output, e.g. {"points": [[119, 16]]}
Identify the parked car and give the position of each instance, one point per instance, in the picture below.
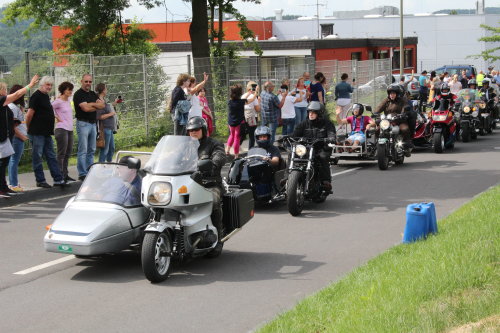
{"points": [[379, 83], [457, 69], [413, 87]]}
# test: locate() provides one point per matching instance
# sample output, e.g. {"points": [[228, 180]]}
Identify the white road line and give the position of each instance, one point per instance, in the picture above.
{"points": [[345, 171], [47, 264]]}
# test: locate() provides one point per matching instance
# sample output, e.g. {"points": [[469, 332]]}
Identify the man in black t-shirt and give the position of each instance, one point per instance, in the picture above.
{"points": [[86, 102], [40, 121]]}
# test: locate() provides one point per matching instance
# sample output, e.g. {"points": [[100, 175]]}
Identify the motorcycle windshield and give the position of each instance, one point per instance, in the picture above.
{"points": [[112, 183], [174, 155], [256, 151], [468, 96]]}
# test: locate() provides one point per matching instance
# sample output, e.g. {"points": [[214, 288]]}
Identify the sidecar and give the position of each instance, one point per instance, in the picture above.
{"points": [[106, 216]]}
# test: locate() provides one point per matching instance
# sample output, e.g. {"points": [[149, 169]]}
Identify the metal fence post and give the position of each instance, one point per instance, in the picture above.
{"points": [[145, 91], [189, 63], [92, 69], [27, 70], [227, 75], [259, 72]]}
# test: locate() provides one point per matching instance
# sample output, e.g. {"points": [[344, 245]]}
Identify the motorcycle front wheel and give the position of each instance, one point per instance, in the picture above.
{"points": [[438, 141], [156, 263], [295, 193], [383, 159], [465, 132]]}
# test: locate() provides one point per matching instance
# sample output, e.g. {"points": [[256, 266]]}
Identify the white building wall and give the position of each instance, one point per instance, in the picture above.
{"points": [[442, 40]]}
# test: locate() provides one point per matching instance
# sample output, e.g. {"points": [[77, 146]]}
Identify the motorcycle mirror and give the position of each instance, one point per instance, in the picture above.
{"points": [[368, 108], [205, 166], [133, 163]]}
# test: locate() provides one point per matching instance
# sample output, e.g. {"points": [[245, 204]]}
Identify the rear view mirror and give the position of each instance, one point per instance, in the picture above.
{"points": [[133, 163]]}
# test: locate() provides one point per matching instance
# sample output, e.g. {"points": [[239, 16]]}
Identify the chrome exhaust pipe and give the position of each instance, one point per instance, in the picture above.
{"points": [[230, 235]]}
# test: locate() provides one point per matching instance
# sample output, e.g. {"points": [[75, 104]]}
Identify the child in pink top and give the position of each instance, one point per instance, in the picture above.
{"points": [[206, 112], [359, 124]]}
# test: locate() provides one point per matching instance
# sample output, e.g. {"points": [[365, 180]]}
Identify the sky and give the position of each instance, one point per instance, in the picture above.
{"points": [[181, 10]]}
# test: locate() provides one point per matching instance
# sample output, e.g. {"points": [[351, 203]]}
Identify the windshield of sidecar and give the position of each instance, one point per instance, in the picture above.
{"points": [[468, 96], [174, 155], [113, 183]]}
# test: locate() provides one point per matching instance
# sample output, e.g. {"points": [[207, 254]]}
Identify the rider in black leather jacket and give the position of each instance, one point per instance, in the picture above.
{"points": [[317, 126]]}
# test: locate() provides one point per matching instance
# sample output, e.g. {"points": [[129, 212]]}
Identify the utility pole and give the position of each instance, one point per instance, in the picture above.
{"points": [[401, 41], [317, 15]]}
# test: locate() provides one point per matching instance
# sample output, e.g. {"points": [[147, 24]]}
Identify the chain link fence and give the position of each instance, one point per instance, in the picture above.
{"points": [[145, 84]]}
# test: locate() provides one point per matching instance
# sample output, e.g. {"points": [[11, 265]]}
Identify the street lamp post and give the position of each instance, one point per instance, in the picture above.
{"points": [[401, 41]]}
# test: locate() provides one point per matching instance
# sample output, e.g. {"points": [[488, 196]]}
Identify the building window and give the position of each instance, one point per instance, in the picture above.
{"points": [[356, 56], [408, 58], [326, 30], [383, 54], [395, 59]]}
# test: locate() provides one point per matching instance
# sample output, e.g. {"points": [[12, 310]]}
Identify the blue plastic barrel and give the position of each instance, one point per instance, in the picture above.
{"points": [[417, 223], [433, 228]]}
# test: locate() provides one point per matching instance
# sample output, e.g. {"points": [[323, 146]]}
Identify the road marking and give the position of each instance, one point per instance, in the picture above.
{"points": [[47, 264], [345, 171]]}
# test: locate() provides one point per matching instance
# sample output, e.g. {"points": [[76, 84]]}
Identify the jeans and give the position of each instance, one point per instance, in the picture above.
{"points": [[300, 114], [179, 129], [64, 139], [288, 126], [106, 153], [86, 146], [273, 127], [251, 136], [43, 146], [18, 146]]}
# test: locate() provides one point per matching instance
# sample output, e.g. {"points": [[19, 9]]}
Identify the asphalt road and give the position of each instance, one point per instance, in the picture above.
{"points": [[273, 263]]}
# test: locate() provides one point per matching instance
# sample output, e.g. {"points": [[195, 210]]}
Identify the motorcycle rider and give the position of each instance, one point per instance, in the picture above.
{"points": [[263, 140], [318, 126], [445, 95], [359, 124], [213, 150], [472, 84], [398, 104], [489, 95]]}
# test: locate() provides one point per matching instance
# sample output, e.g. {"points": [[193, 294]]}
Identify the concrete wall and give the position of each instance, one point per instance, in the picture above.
{"points": [[441, 39]]}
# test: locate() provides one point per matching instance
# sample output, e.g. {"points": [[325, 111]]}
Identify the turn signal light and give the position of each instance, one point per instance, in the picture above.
{"points": [[48, 226], [182, 190]]}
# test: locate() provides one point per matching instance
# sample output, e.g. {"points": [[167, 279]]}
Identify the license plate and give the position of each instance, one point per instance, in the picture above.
{"points": [[382, 141], [65, 248]]}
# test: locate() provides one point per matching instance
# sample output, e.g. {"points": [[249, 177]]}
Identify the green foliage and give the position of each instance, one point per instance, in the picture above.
{"points": [[446, 281], [488, 55], [95, 26]]}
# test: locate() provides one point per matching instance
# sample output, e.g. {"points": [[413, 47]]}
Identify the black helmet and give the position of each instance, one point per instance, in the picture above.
{"points": [[316, 106], [445, 89], [196, 123], [472, 82], [358, 106], [395, 88], [486, 81], [263, 130]]}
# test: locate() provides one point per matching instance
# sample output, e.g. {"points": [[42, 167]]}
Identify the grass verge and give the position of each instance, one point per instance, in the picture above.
{"points": [[449, 280]]}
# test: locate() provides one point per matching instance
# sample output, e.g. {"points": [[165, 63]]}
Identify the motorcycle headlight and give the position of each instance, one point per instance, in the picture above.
{"points": [[439, 118], [466, 109], [482, 105], [300, 150], [160, 194], [384, 124], [475, 113]]}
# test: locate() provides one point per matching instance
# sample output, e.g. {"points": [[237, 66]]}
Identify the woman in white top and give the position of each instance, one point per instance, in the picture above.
{"points": [[252, 108], [192, 91], [288, 110], [455, 85], [301, 107]]}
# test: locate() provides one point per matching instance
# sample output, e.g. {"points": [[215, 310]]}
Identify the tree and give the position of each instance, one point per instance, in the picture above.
{"points": [[489, 54], [95, 26]]}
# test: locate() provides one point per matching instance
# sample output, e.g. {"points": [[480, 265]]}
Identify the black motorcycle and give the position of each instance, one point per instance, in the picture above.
{"points": [[254, 172], [485, 116], [468, 110], [390, 145], [303, 182]]}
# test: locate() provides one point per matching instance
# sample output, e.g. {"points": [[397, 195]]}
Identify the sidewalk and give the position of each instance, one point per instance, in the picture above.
{"points": [[33, 193]]}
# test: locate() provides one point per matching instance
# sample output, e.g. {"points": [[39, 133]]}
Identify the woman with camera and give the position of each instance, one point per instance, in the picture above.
{"points": [[252, 108]]}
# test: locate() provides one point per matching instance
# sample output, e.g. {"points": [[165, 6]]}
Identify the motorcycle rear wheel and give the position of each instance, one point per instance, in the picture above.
{"points": [[295, 193], [383, 159], [400, 160], [156, 266], [438, 142]]}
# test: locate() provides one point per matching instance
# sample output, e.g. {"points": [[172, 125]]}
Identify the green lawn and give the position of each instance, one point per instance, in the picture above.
{"points": [[429, 286]]}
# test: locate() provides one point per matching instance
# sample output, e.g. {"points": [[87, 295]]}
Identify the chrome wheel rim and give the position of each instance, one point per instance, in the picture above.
{"points": [[162, 263]]}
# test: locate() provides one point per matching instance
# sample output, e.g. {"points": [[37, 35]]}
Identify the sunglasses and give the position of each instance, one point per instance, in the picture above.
{"points": [[194, 130], [87, 81]]}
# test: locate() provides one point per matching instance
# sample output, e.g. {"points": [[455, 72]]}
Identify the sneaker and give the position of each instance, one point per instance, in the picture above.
{"points": [[82, 178], [69, 179], [11, 192], [17, 188], [60, 183], [43, 184], [4, 195]]}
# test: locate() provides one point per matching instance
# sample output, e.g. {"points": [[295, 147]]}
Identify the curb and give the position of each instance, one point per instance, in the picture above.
{"points": [[40, 194]]}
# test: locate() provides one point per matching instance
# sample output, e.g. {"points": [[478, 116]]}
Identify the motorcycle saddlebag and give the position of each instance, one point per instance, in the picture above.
{"points": [[238, 208]]}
